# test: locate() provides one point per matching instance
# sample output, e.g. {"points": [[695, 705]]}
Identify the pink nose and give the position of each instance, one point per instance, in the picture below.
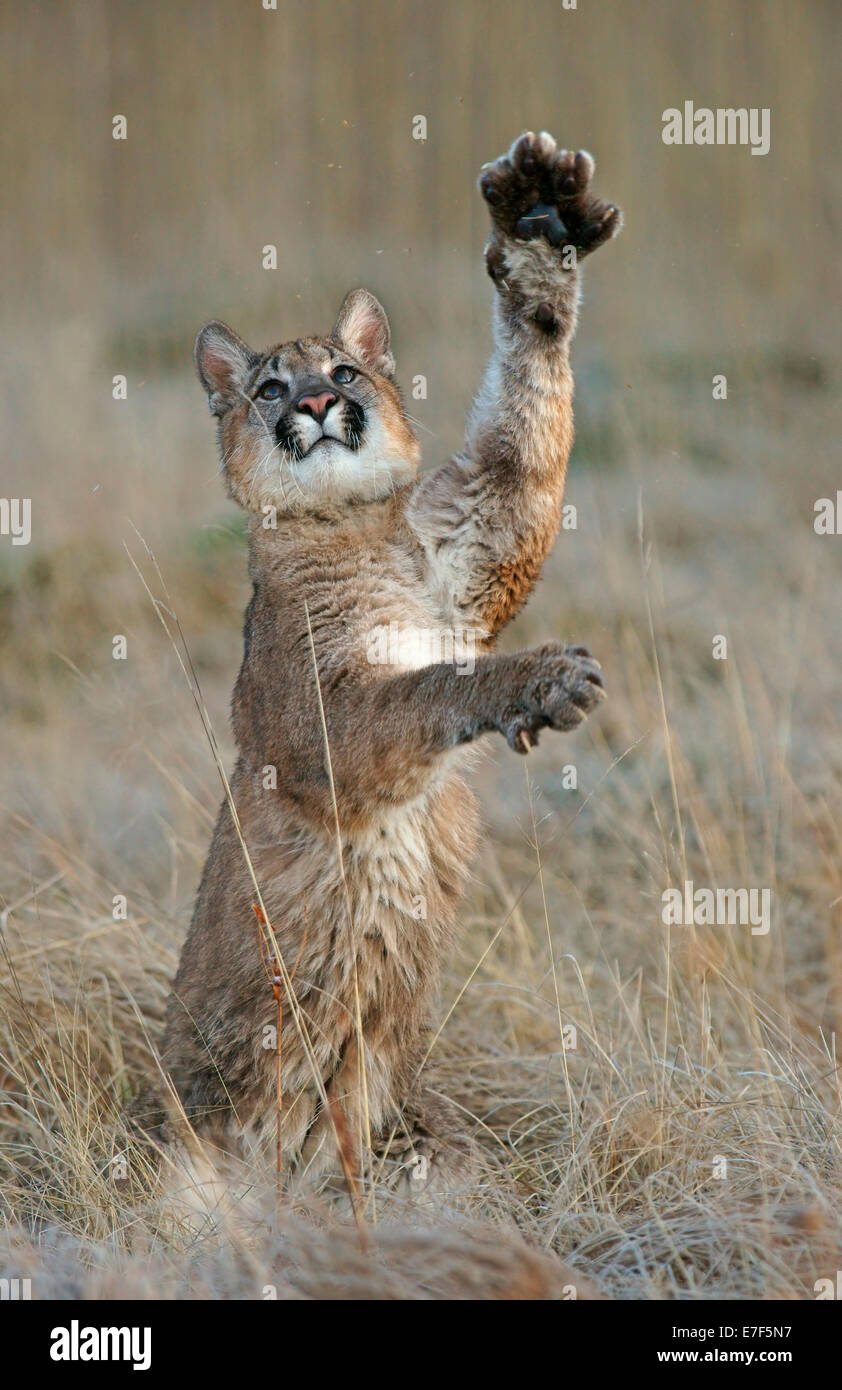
{"points": [[317, 406]]}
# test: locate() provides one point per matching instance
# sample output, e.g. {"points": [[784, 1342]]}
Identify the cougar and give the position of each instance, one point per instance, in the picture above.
{"points": [[337, 862]]}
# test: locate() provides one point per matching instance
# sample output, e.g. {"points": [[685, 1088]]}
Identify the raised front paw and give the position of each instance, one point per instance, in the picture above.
{"points": [[561, 685], [538, 190]]}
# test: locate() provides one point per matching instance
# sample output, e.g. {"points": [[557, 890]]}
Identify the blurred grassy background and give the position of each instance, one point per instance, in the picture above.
{"points": [[294, 127]]}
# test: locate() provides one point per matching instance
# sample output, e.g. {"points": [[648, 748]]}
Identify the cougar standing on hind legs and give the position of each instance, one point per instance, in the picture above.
{"points": [[361, 839]]}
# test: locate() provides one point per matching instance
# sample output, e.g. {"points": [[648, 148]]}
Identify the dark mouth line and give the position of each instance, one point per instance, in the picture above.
{"points": [[353, 426], [325, 439]]}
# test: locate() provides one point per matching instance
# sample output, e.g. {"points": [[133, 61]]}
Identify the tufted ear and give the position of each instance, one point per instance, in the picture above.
{"points": [[362, 328], [223, 362]]}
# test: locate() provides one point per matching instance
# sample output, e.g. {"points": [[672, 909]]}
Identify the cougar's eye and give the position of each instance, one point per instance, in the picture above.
{"points": [[270, 390], [343, 375]]}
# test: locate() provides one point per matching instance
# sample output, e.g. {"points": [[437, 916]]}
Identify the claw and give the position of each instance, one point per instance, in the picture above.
{"points": [[523, 742]]}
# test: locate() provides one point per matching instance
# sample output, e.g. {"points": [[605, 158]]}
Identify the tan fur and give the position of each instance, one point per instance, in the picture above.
{"points": [[366, 913]]}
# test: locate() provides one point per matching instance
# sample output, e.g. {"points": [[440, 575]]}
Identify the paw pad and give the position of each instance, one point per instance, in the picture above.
{"points": [[537, 190], [542, 220]]}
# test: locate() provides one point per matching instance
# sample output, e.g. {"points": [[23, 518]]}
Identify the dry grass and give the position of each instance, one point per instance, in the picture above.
{"points": [[695, 518]]}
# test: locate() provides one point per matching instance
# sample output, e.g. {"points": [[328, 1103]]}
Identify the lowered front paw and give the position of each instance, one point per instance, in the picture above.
{"points": [[561, 685], [538, 190]]}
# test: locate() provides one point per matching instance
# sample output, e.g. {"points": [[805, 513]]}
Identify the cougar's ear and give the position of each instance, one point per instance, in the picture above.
{"points": [[223, 362], [363, 330]]}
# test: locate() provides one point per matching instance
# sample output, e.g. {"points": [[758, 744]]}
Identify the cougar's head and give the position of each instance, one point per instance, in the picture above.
{"points": [[313, 422]]}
